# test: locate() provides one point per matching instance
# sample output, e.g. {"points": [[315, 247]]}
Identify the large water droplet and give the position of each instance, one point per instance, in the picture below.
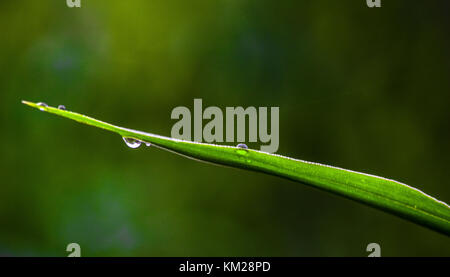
{"points": [[42, 104], [132, 143], [243, 146], [62, 107]]}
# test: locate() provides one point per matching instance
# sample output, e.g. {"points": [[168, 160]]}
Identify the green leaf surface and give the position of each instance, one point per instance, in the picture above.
{"points": [[385, 194]]}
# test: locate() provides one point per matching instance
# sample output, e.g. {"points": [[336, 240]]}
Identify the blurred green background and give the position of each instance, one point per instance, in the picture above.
{"points": [[364, 89]]}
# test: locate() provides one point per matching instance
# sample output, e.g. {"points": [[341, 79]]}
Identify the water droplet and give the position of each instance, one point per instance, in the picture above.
{"points": [[241, 145], [42, 104], [62, 107], [132, 143], [147, 143]]}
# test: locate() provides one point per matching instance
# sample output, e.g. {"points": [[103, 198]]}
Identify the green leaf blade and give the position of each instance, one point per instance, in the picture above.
{"points": [[385, 194]]}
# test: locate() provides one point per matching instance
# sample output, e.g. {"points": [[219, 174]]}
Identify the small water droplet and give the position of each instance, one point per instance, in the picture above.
{"points": [[132, 143], [62, 107], [42, 104], [148, 143], [241, 145]]}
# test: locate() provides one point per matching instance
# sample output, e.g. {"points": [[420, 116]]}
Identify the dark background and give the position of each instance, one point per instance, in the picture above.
{"points": [[364, 89]]}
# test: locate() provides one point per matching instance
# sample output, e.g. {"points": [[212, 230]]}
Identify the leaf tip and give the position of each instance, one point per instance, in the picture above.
{"points": [[31, 104]]}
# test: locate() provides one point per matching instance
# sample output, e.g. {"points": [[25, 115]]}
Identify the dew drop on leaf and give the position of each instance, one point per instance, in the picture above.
{"points": [[62, 107], [242, 149], [42, 104], [241, 145], [132, 143]]}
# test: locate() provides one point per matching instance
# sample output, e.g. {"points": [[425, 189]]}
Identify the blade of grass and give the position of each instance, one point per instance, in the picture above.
{"points": [[385, 194]]}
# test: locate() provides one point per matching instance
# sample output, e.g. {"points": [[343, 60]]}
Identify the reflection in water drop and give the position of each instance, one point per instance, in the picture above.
{"points": [[42, 104], [62, 107], [241, 145], [242, 149], [132, 143]]}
